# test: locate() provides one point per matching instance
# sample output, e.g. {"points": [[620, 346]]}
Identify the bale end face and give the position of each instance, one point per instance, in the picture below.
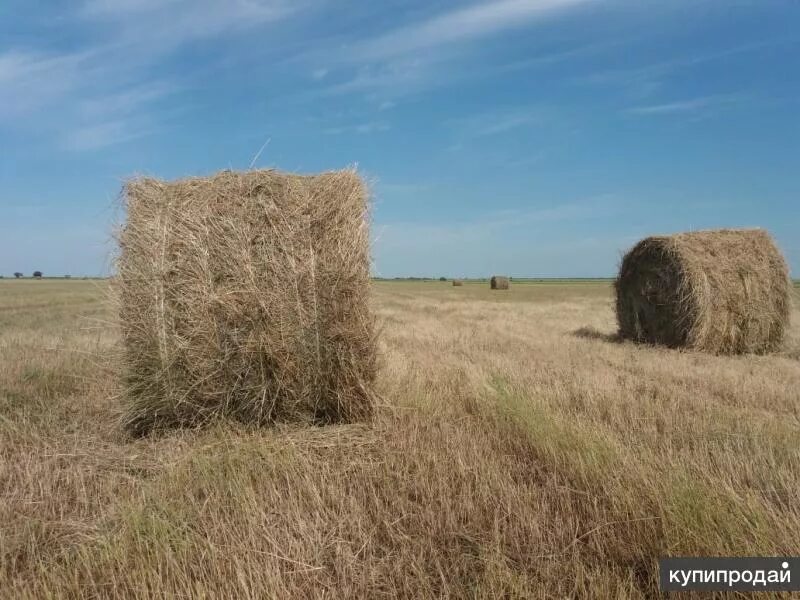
{"points": [[499, 282], [723, 292], [245, 295]]}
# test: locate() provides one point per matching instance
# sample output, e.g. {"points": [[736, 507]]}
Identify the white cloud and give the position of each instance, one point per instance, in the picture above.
{"points": [[105, 8], [394, 76], [102, 135], [508, 122], [102, 92], [693, 105], [362, 128], [551, 58], [156, 25], [501, 121], [126, 101], [475, 21], [527, 161], [424, 55], [80, 99], [30, 80], [646, 80]]}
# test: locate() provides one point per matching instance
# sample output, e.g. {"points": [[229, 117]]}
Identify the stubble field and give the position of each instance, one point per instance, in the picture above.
{"points": [[519, 451]]}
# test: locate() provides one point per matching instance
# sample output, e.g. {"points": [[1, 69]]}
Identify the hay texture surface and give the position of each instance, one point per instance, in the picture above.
{"points": [[499, 282], [457, 282], [246, 295], [723, 292]]}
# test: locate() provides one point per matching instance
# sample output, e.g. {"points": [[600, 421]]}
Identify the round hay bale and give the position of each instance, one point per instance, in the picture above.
{"points": [[724, 292], [457, 283], [246, 295], [499, 282]]}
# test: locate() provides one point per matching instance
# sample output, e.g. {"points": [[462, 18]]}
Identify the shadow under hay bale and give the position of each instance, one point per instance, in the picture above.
{"points": [[591, 333], [245, 295], [457, 283], [723, 291], [499, 282]]}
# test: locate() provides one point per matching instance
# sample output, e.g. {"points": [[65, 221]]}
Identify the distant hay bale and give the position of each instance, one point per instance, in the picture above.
{"points": [[457, 283], [245, 295], [723, 292], [499, 282]]}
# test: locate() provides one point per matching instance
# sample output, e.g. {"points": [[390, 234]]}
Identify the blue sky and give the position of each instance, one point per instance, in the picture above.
{"points": [[528, 137]]}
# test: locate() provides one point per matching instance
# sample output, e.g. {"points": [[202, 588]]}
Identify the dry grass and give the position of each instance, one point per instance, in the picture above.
{"points": [[520, 452], [724, 291], [246, 295]]}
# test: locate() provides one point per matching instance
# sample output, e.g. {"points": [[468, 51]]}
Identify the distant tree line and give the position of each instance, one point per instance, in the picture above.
{"points": [[36, 275]]}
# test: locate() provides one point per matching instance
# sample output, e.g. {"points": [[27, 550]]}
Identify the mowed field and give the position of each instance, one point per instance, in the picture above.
{"points": [[519, 451]]}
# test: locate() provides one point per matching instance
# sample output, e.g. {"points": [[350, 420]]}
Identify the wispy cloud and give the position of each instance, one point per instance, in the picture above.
{"points": [[394, 77], [646, 80], [693, 105], [558, 56], [424, 55], [125, 7], [104, 92], [156, 25], [79, 100], [501, 121], [475, 21], [126, 101], [508, 122], [30, 80], [102, 135], [361, 128], [527, 161]]}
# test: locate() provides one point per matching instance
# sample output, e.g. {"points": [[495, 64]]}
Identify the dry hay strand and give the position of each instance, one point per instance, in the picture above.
{"points": [[246, 295], [724, 292], [499, 282], [457, 283]]}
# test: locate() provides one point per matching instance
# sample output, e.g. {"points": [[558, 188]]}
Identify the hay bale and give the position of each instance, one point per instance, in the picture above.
{"points": [[499, 282], [457, 283], [724, 292], [245, 295]]}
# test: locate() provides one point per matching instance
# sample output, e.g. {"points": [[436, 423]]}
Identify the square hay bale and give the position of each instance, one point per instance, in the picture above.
{"points": [[457, 282], [725, 291], [499, 282], [245, 295]]}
